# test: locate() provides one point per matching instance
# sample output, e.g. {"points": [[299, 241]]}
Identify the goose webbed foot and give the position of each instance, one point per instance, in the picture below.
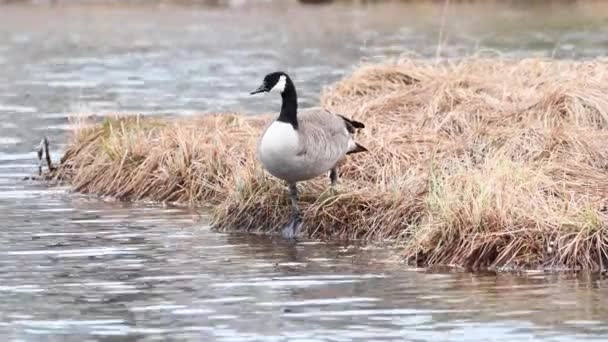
{"points": [[291, 229]]}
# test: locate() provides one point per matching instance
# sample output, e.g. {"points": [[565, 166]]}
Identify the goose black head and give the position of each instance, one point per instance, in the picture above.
{"points": [[276, 81]]}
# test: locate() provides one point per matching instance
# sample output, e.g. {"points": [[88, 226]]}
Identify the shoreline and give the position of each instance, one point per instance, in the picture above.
{"points": [[482, 163]]}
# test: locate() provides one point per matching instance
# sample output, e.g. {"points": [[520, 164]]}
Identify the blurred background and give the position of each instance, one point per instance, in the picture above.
{"points": [[75, 267]]}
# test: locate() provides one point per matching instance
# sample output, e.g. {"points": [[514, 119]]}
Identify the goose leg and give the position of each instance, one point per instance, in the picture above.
{"points": [[293, 195], [290, 229], [333, 176]]}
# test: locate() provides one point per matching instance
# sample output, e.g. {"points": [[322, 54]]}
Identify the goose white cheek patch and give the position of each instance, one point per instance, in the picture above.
{"points": [[279, 87]]}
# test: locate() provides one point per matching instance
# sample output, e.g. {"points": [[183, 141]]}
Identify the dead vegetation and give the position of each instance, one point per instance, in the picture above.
{"points": [[480, 163]]}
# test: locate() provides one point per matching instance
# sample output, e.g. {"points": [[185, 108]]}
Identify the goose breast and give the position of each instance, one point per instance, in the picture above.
{"points": [[320, 141]]}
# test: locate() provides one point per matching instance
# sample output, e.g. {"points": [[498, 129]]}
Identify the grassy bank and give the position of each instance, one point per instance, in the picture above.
{"points": [[483, 163]]}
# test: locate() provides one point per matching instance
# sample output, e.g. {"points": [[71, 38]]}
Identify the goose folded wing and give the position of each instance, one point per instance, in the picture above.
{"points": [[323, 135]]}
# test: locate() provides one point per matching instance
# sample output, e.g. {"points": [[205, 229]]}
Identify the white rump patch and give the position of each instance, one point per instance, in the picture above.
{"points": [[351, 145], [280, 86]]}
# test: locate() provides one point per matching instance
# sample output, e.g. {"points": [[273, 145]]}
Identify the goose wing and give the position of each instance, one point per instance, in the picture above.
{"points": [[325, 137]]}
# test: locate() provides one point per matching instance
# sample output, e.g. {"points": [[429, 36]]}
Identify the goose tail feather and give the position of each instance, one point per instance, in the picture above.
{"points": [[357, 149], [352, 125]]}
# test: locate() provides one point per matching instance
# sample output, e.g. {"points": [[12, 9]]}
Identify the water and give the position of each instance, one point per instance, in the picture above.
{"points": [[80, 268]]}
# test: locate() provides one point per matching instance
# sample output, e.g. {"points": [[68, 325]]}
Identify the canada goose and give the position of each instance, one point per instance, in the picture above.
{"points": [[299, 146]]}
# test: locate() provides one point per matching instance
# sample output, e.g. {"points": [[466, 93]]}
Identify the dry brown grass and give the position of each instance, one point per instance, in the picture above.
{"points": [[481, 163], [188, 160]]}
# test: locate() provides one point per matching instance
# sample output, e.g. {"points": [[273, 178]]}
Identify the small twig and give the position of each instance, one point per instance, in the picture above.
{"points": [[444, 13], [43, 151], [47, 154], [40, 152]]}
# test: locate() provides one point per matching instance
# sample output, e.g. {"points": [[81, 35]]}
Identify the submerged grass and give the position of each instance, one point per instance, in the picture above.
{"points": [[480, 163]]}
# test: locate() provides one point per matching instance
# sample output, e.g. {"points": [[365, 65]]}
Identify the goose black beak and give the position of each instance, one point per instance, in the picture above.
{"points": [[260, 89]]}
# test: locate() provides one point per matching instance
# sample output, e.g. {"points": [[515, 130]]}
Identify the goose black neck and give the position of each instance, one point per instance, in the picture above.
{"points": [[289, 108]]}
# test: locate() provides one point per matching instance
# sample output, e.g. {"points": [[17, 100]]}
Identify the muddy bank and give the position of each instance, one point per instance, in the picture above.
{"points": [[482, 163]]}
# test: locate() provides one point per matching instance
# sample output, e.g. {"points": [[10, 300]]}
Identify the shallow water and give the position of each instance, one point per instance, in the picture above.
{"points": [[76, 268]]}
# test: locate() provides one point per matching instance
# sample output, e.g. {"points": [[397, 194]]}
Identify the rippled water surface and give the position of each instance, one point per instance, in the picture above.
{"points": [[76, 268]]}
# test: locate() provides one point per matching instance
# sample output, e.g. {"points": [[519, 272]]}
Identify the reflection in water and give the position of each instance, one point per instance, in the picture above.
{"points": [[74, 267]]}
